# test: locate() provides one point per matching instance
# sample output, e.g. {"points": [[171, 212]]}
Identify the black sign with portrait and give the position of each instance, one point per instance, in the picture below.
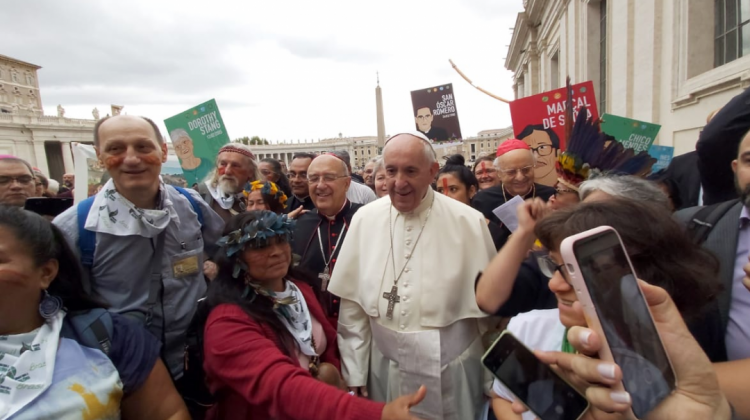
{"points": [[435, 113]]}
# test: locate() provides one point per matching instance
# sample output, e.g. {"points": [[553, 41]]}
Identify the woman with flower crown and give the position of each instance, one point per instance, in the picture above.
{"points": [[268, 351], [264, 195]]}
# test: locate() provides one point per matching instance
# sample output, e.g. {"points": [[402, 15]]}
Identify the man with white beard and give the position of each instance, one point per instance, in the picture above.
{"points": [[235, 167]]}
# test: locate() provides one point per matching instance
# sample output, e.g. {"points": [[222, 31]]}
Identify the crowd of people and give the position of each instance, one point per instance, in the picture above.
{"points": [[321, 292]]}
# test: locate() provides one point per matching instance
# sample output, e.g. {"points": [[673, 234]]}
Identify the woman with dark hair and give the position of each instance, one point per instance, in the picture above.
{"points": [[52, 369], [268, 351], [264, 195], [270, 169], [661, 254], [456, 180], [485, 172]]}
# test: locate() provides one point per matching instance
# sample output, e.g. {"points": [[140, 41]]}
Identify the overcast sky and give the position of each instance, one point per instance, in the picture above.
{"points": [[293, 69]]}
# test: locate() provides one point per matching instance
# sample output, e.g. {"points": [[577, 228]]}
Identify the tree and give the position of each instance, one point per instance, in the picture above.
{"points": [[252, 141]]}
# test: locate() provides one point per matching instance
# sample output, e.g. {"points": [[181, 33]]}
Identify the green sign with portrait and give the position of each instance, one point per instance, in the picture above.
{"points": [[197, 135], [633, 134]]}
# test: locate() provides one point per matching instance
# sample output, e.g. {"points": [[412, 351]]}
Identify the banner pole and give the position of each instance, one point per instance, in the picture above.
{"points": [[475, 86]]}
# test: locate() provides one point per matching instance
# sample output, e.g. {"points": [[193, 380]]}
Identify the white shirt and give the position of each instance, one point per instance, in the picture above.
{"points": [[360, 193], [538, 330]]}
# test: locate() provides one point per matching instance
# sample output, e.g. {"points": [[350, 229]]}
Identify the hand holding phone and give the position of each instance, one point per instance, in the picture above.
{"points": [[45, 206], [604, 280], [535, 384]]}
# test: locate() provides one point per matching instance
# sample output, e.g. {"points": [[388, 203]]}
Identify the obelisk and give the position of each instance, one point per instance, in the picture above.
{"points": [[381, 120]]}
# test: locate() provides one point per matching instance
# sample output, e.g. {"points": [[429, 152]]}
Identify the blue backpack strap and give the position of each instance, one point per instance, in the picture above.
{"points": [[193, 203], [93, 329], [86, 238]]}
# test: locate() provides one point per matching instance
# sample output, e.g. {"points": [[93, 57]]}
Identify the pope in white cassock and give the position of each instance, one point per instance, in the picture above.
{"points": [[406, 277]]}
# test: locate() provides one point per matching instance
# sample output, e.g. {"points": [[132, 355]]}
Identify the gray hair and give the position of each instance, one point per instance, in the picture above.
{"points": [[378, 164], [179, 133], [213, 176], [624, 186], [53, 187], [429, 151]]}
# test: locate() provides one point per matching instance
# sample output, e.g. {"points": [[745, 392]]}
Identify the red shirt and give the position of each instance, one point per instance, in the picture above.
{"points": [[253, 379]]}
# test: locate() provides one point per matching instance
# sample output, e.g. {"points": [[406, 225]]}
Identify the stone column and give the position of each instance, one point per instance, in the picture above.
{"points": [[40, 157], [67, 155]]}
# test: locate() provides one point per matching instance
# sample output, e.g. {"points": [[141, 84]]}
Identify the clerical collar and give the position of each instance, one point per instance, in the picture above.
{"points": [[423, 206], [336, 216], [302, 200]]}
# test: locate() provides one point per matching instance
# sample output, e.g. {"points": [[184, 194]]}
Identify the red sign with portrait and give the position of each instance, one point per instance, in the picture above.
{"points": [[546, 111]]}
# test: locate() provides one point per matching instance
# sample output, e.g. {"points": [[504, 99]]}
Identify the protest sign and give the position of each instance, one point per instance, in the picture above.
{"points": [[539, 120], [197, 135], [663, 156], [435, 113], [633, 134]]}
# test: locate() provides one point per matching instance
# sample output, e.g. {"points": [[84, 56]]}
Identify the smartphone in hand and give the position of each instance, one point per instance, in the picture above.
{"points": [[534, 383], [45, 206], [600, 271]]}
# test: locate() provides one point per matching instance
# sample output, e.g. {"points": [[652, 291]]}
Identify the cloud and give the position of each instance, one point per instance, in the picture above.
{"points": [[281, 70]]}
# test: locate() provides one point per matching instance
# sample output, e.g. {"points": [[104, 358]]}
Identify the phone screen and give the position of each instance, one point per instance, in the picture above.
{"points": [[625, 320], [48, 206], [533, 382]]}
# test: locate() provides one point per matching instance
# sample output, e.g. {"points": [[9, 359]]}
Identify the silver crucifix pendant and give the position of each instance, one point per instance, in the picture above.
{"points": [[324, 277], [392, 299]]}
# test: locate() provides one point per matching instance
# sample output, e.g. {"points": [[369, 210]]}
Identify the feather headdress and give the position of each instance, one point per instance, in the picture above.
{"points": [[590, 151]]}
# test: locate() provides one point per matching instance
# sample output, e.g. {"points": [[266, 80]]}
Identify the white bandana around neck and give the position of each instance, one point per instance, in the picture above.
{"points": [[27, 362], [298, 320], [225, 201], [116, 215]]}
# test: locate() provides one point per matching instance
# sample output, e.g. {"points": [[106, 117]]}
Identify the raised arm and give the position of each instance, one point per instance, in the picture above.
{"points": [[717, 148], [239, 355], [496, 282]]}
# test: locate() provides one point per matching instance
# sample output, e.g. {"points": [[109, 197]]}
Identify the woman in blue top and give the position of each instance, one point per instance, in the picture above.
{"points": [[48, 369]]}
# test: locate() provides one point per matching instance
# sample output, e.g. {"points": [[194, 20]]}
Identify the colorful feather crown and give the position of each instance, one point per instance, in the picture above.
{"points": [[590, 151]]}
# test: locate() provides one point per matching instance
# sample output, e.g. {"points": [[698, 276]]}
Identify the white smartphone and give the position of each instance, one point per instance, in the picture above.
{"points": [[607, 287], [535, 384]]}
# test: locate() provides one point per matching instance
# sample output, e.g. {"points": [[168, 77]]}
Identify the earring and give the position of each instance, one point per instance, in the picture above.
{"points": [[49, 306]]}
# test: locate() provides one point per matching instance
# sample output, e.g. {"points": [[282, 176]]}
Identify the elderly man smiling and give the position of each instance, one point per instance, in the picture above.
{"points": [[515, 164], [319, 234]]}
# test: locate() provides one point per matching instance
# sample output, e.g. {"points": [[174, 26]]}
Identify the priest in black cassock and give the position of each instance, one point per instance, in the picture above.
{"points": [[320, 234], [515, 163]]}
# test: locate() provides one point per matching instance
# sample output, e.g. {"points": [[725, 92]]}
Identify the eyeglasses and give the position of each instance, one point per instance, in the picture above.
{"points": [[525, 171], [326, 178], [22, 180], [564, 191], [548, 266], [543, 150]]}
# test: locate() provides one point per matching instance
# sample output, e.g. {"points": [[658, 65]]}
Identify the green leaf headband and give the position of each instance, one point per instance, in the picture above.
{"points": [[257, 234]]}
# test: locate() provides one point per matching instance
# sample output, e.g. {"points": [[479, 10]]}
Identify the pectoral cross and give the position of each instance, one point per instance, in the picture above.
{"points": [[392, 299], [324, 277]]}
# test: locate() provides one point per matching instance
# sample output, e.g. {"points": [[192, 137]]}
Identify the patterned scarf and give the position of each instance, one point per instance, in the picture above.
{"points": [[116, 215], [291, 308], [27, 362], [225, 201]]}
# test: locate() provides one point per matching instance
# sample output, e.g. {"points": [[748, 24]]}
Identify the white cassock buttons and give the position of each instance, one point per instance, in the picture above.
{"points": [[408, 228], [403, 313], [406, 285], [402, 326], [408, 270], [408, 255], [408, 242], [406, 298]]}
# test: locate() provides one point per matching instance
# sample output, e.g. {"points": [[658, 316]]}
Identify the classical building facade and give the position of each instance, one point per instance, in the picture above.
{"points": [[362, 149], [43, 141], [671, 62]]}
